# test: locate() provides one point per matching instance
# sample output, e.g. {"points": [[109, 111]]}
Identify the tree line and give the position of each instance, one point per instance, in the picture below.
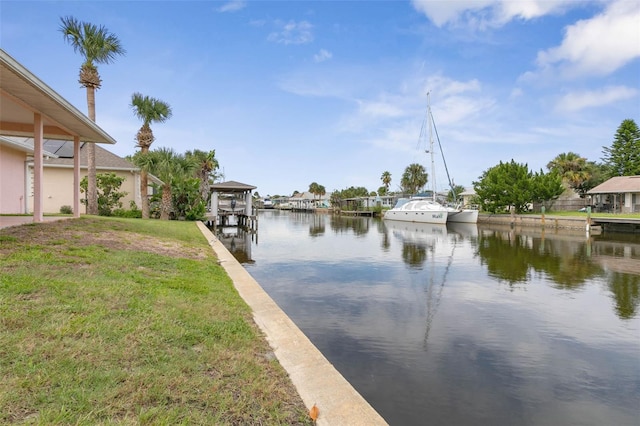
{"points": [[511, 184]]}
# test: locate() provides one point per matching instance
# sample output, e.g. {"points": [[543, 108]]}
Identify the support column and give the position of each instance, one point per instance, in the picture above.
{"points": [[214, 206], [76, 176], [249, 208], [38, 131]]}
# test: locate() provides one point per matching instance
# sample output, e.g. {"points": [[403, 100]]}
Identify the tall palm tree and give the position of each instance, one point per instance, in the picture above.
{"points": [[149, 110], [98, 46], [313, 188], [207, 165], [321, 191], [170, 168], [386, 179]]}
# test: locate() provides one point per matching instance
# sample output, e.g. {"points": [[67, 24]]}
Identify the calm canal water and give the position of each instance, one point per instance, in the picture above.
{"points": [[471, 325]]}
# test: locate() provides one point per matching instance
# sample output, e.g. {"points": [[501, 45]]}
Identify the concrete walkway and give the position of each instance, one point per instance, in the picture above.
{"points": [[315, 378]]}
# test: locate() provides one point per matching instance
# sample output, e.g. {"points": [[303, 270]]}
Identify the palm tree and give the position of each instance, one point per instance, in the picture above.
{"points": [[313, 188], [98, 46], [149, 110], [321, 191], [386, 180], [571, 167], [414, 178], [207, 165], [170, 168]]}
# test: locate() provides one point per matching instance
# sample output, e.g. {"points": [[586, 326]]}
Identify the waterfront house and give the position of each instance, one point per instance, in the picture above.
{"points": [[31, 109], [620, 194], [308, 201]]}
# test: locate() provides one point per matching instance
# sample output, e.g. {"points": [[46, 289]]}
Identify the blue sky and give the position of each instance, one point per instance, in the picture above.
{"points": [[335, 92]]}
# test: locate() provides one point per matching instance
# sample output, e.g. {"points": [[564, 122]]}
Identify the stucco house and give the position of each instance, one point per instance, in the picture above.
{"points": [[58, 175], [14, 156], [31, 109], [620, 194]]}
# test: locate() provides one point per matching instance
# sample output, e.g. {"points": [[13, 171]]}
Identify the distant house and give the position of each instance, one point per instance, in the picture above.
{"points": [[308, 201], [468, 196], [619, 194]]}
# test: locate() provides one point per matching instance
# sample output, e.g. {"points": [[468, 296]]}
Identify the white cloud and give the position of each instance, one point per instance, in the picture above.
{"points": [[598, 46], [487, 13], [232, 6], [380, 109], [292, 33], [576, 101], [322, 55]]}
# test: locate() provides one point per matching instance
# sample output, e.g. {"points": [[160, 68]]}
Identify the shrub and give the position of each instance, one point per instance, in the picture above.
{"points": [[66, 210], [131, 214]]}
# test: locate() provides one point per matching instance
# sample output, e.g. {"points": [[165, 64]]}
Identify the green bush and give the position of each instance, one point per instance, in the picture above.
{"points": [[108, 185], [132, 214], [66, 210]]}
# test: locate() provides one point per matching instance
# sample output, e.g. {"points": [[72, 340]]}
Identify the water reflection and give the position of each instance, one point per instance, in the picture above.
{"points": [[463, 324], [569, 260], [238, 241]]}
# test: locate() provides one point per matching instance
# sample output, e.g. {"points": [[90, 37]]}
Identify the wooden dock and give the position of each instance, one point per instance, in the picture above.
{"points": [[356, 213], [250, 223]]}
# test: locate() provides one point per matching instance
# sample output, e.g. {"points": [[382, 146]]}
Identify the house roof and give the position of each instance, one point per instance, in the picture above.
{"points": [[60, 153], [104, 158], [618, 185], [22, 95], [21, 145], [232, 186]]}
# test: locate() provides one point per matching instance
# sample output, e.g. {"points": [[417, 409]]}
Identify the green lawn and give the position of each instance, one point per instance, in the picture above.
{"points": [[125, 321]]}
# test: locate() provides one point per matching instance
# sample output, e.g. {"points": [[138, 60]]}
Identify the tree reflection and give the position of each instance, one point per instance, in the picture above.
{"points": [[505, 256], [569, 262], [626, 293], [512, 257], [317, 228], [414, 255], [347, 223]]}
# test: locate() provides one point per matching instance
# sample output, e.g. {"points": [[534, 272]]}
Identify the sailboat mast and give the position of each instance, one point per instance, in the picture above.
{"points": [[433, 163]]}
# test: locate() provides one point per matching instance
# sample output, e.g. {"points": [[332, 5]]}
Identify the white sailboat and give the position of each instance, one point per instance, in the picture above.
{"points": [[456, 213], [418, 208], [428, 209]]}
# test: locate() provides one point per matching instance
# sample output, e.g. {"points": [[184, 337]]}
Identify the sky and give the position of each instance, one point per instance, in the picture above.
{"points": [[289, 93]]}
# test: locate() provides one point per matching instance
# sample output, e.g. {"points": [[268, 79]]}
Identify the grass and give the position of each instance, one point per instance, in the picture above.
{"points": [[125, 321]]}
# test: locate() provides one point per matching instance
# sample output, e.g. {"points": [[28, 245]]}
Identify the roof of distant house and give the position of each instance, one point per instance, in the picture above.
{"points": [[618, 185]]}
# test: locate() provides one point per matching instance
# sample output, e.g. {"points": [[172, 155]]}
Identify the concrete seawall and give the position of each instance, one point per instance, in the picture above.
{"points": [[539, 221], [315, 378]]}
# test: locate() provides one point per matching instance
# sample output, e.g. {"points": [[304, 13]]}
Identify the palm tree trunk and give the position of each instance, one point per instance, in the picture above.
{"points": [[166, 202], [92, 186], [144, 195]]}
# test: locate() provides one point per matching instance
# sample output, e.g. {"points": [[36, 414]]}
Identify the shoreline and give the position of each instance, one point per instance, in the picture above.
{"points": [[315, 378]]}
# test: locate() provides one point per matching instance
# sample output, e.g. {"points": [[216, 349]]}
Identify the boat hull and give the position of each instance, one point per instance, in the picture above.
{"points": [[463, 216], [417, 216]]}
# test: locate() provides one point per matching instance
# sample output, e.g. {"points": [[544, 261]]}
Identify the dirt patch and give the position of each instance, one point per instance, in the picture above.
{"points": [[67, 233]]}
